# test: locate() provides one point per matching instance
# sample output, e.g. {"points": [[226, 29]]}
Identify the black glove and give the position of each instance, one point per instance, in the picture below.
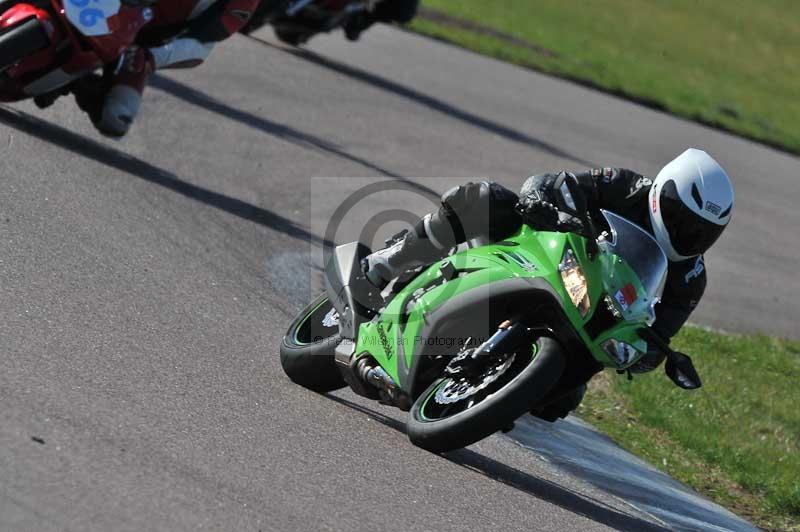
{"points": [[538, 212]]}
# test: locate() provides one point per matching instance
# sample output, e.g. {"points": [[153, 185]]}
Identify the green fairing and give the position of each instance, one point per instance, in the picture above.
{"points": [[528, 253]]}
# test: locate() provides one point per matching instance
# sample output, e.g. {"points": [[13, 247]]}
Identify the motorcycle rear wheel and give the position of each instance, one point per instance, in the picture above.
{"points": [[440, 424], [21, 41], [307, 349]]}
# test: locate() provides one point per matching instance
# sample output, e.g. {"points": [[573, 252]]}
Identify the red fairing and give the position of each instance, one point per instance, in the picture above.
{"points": [[21, 13], [88, 53], [124, 27], [48, 69], [237, 13]]}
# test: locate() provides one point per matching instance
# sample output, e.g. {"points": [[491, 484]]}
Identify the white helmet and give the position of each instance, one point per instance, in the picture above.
{"points": [[690, 204]]}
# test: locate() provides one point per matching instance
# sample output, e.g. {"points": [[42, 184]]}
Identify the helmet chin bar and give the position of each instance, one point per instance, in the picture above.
{"points": [[659, 230]]}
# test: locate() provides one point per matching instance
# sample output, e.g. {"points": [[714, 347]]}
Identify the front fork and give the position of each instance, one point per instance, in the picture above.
{"points": [[509, 335]]}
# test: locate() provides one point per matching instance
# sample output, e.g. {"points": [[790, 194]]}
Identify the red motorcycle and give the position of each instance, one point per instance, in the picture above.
{"points": [[47, 45]]}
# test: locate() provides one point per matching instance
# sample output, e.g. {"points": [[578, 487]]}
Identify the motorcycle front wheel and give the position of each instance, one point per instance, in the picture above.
{"points": [[458, 411], [307, 350]]}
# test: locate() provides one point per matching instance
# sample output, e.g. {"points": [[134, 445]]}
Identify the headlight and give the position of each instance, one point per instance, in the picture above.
{"points": [[574, 281], [620, 352]]}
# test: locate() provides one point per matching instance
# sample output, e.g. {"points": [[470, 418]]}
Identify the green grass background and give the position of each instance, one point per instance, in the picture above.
{"points": [[733, 63], [736, 439]]}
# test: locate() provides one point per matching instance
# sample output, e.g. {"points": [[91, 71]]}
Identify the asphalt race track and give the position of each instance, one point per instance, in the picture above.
{"points": [[145, 286]]}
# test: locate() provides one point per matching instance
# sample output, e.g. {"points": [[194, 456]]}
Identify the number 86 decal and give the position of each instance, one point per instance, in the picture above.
{"points": [[90, 17]]}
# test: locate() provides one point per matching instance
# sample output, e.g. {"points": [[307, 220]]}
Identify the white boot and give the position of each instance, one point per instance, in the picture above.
{"points": [[412, 252]]}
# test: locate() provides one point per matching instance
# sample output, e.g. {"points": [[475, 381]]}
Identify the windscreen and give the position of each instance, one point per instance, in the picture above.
{"points": [[634, 268]]}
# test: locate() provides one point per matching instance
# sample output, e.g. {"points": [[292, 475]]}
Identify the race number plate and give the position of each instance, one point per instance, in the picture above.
{"points": [[90, 17]]}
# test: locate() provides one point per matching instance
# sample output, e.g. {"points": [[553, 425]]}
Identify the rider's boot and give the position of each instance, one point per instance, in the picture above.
{"points": [[122, 102], [418, 247]]}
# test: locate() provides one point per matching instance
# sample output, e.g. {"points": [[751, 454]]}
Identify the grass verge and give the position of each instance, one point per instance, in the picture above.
{"points": [[734, 65], [736, 440]]}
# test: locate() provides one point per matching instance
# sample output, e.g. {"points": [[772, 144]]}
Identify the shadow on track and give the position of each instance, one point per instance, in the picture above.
{"points": [[541, 489], [123, 162], [287, 133], [430, 102]]}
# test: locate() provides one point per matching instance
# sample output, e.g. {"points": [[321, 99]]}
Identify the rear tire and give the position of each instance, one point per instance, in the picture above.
{"points": [[19, 42], [307, 350], [496, 412]]}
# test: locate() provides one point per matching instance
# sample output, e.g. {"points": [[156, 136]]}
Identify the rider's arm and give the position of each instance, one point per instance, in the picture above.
{"points": [[686, 282], [613, 188], [609, 188]]}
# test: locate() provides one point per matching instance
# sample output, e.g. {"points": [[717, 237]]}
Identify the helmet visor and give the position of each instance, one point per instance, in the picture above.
{"points": [[689, 233]]}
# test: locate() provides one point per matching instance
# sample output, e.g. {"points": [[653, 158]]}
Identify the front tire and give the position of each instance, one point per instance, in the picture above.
{"points": [[307, 350], [431, 427], [21, 41]]}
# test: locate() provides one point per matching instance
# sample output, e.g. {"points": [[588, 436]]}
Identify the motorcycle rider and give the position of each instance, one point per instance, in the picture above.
{"points": [[199, 25], [686, 208]]}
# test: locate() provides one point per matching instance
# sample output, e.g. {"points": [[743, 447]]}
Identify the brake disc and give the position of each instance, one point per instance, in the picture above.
{"points": [[461, 387]]}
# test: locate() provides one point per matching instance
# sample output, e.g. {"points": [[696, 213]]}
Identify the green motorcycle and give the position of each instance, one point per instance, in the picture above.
{"points": [[476, 340]]}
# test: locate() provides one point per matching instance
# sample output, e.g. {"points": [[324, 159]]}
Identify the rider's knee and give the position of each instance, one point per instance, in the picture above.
{"points": [[479, 210], [464, 198], [504, 219]]}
